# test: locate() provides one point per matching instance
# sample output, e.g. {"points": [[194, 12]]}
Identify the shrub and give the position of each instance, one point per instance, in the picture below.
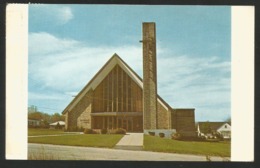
{"points": [[103, 131], [89, 131], [192, 138], [202, 138], [151, 133], [219, 136], [161, 134], [177, 136], [75, 129], [212, 140], [119, 131], [81, 129]]}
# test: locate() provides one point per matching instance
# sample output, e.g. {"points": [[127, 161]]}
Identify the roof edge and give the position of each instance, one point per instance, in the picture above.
{"points": [[88, 84], [114, 56]]}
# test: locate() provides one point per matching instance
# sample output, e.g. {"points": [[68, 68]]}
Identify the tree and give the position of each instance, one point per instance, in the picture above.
{"points": [[35, 115], [208, 128], [45, 124], [45, 118], [228, 120], [32, 109], [57, 117]]}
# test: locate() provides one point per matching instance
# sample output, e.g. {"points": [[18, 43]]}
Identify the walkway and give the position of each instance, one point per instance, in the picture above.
{"points": [[131, 141]]}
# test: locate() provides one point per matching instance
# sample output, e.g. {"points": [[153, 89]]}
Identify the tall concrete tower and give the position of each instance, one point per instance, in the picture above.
{"points": [[149, 76]]}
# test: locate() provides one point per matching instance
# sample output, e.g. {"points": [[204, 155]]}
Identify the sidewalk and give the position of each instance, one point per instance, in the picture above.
{"points": [[131, 141]]}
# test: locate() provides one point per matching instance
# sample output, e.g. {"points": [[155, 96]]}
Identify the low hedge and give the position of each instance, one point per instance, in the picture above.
{"points": [[89, 131], [118, 131], [103, 131], [161, 134], [151, 133], [177, 136]]}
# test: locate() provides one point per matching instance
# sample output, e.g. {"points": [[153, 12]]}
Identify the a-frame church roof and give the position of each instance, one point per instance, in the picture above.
{"points": [[102, 73]]}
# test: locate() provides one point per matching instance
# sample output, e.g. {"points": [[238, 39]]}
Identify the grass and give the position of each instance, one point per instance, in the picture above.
{"points": [[39, 131], [42, 155], [152, 143], [88, 140]]}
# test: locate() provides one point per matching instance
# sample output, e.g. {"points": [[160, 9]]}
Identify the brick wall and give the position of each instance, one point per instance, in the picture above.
{"points": [[66, 121], [79, 116], [149, 77], [163, 117], [84, 120], [183, 120]]}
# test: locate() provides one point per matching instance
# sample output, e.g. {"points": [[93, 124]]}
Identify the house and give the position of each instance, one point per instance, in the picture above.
{"points": [[34, 123], [55, 125], [209, 129]]}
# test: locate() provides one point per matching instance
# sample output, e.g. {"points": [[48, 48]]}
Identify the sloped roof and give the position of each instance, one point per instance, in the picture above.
{"points": [[60, 122], [102, 73], [213, 125]]}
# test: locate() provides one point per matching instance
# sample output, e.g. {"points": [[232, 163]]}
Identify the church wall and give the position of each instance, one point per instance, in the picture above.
{"points": [[163, 117], [183, 120], [84, 120], [79, 116], [66, 121]]}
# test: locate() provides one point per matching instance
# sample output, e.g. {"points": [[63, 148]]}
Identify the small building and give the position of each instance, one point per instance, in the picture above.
{"points": [[208, 129], [34, 123], [55, 125]]}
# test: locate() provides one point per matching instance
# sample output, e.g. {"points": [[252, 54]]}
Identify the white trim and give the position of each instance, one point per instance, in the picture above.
{"points": [[130, 73], [162, 104]]}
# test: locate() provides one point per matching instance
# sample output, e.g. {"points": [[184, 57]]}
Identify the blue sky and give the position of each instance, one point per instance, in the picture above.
{"points": [[68, 44]]}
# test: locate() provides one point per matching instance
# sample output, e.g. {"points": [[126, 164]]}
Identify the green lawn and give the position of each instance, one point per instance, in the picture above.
{"points": [[152, 143], [39, 131], [90, 140]]}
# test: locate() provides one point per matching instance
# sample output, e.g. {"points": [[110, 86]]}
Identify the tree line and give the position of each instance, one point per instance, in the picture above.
{"points": [[44, 118]]}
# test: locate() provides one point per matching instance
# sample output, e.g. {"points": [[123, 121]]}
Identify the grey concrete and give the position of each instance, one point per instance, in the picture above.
{"points": [[131, 141], [59, 152]]}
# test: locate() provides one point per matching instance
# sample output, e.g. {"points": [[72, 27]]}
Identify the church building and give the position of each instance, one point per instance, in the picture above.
{"points": [[116, 97]]}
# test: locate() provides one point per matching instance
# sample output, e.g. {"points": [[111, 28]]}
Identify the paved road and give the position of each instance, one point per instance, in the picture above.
{"points": [[59, 152]]}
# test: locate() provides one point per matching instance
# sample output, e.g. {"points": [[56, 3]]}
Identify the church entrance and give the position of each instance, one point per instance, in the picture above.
{"points": [[129, 123]]}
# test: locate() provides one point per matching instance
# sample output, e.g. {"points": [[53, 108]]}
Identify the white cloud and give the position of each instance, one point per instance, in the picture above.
{"points": [[55, 14], [66, 65], [196, 82], [41, 96], [64, 14], [43, 43]]}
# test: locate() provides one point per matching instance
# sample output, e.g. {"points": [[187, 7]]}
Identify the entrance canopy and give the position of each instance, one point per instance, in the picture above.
{"points": [[117, 114]]}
